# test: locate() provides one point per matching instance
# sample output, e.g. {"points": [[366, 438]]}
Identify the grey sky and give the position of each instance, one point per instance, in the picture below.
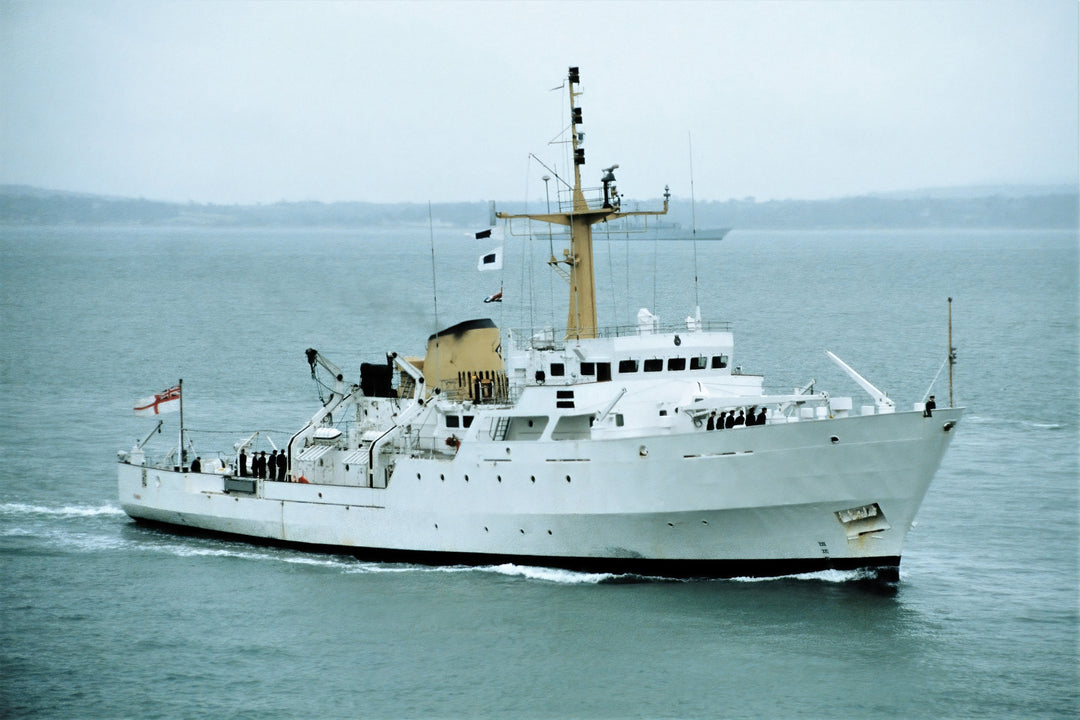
{"points": [[388, 101]]}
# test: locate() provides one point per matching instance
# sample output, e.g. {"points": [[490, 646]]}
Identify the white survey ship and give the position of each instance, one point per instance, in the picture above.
{"points": [[592, 449]]}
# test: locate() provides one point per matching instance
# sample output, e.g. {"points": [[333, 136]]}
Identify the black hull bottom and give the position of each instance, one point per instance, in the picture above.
{"points": [[884, 569]]}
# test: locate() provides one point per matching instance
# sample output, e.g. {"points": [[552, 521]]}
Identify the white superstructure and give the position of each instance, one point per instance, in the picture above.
{"points": [[596, 450]]}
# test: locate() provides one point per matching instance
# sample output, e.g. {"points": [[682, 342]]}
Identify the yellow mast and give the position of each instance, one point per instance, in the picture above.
{"points": [[581, 313]]}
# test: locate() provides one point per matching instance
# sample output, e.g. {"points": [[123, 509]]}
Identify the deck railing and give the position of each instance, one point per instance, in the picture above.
{"points": [[549, 339]]}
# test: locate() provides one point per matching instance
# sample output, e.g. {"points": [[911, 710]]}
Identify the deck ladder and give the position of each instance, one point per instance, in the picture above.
{"points": [[498, 432]]}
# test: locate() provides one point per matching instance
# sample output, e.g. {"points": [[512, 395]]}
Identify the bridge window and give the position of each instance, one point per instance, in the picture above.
{"points": [[452, 421], [699, 363], [588, 368], [676, 364], [654, 365], [719, 361], [557, 370], [628, 366]]}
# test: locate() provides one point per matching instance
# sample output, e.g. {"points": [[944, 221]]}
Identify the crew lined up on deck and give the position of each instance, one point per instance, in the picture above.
{"points": [[729, 419], [273, 467]]}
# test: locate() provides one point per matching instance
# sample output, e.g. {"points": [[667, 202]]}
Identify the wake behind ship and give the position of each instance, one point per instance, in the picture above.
{"points": [[630, 449]]}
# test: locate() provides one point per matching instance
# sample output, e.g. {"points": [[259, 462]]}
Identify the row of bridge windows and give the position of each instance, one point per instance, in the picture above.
{"points": [[602, 370]]}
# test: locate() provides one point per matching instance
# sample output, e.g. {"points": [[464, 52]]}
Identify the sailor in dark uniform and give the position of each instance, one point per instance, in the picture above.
{"points": [[282, 465], [928, 410]]}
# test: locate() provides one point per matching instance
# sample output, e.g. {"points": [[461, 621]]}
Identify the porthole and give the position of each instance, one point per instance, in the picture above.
{"points": [[522, 530], [466, 478], [499, 478], [442, 477], [567, 478], [532, 478], [417, 476], [834, 439]]}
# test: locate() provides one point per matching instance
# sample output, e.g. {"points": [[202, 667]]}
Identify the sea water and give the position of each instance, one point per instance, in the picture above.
{"points": [[102, 618]]}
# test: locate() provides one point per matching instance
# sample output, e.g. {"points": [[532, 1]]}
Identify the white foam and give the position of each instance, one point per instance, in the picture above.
{"points": [[1021, 423], [65, 539], [65, 511], [359, 567], [243, 553], [829, 576], [552, 575], [1042, 425], [91, 543]]}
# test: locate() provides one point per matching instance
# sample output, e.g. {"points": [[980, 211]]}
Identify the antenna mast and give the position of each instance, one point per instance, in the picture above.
{"points": [[693, 223], [581, 313], [952, 356]]}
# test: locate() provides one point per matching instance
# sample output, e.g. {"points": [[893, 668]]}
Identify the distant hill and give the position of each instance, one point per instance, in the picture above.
{"points": [[970, 211], [967, 192], [987, 207]]}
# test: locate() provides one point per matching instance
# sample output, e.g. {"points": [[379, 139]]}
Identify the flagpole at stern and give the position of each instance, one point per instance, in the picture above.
{"points": [[180, 451]]}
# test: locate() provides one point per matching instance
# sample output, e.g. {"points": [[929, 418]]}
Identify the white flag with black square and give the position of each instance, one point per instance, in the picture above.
{"points": [[491, 260]]}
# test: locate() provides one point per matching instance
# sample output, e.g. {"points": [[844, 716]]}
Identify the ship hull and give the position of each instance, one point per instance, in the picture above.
{"points": [[881, 568], [766, 500]]}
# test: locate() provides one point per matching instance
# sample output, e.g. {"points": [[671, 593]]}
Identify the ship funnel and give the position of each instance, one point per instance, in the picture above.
{"points": [[465, 362]]}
